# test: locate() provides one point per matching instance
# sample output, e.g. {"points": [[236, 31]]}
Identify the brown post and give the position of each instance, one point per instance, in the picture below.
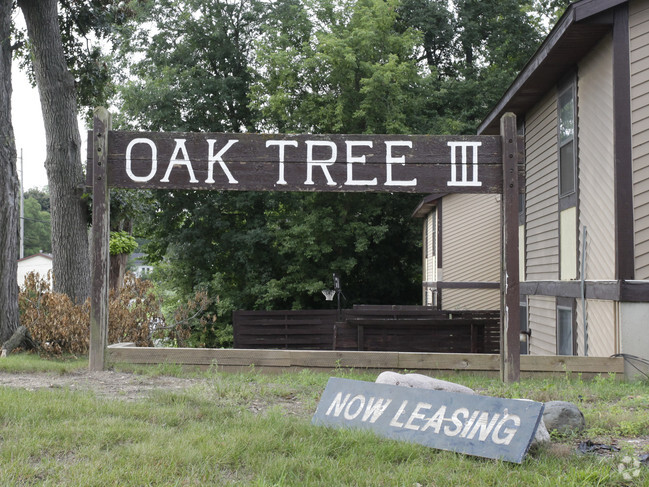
{"points": [[510, 359], [100, 242]]}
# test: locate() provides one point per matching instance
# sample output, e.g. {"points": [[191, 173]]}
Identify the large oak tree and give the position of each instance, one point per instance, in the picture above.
{"points": [[9, 187], [56, 87]]}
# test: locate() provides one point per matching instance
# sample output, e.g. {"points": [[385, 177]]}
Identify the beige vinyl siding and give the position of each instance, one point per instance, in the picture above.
{"points": [[542, 321], [639, 58], [542, 222], [601, 328], [596, 161], [471, 249]]}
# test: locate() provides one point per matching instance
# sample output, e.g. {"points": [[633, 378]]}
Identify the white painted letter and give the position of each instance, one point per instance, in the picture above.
{"points": [[361, 405], [416, 415], [154, 160], [281, 144], [390, 159], [458, 424], [338, 404], [464, 181], [436, 421], [509, 432], [180, 147], [393, 421], [322, 163], [351, 159], [469, 423], [375, 409], [212, 158], [481, 424]]}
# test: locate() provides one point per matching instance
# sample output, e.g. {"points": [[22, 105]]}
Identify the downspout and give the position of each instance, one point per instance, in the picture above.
{"points": [[583, 288]]}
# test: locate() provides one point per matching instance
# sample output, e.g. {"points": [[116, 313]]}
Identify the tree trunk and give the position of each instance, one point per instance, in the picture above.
{"points": [[56, 88], [117, 271], [20, 338], [9, 187]]}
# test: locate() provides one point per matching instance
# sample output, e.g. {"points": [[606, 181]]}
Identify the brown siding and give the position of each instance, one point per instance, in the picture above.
{"points": [[471, 249], [542, 232], [639, 58], [596, 161]]}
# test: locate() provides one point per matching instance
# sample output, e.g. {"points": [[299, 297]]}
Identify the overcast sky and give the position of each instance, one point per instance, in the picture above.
{"points": [[29, 131]]}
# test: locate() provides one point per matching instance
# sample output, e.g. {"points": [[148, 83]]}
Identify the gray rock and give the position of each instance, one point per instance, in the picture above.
{"points": [[563, 417], [420, 381], [542, 435]]}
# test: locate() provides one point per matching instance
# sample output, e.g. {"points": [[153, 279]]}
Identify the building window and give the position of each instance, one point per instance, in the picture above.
{"points": [[525, 331], [567, 172], [568, 181], [566, 333]]}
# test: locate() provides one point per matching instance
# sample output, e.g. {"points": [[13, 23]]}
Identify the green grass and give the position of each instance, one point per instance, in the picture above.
{"points": [[251, 429], [29, 362]]}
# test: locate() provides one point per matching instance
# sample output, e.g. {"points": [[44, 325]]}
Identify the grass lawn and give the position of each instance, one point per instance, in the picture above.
{"points": [[252, 429]]}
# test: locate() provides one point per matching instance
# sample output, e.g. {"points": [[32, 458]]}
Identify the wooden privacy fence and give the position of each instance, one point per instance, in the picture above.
{"points": [[370, 328]]}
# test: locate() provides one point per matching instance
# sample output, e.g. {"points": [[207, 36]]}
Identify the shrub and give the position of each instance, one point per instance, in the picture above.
{"points": [[63, 327]]}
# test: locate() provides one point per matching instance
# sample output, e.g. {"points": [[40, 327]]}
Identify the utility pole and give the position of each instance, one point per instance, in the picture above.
{"points": [[22, 208]]}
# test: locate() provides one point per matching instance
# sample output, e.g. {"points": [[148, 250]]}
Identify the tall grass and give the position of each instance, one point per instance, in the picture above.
{"points": [[251, 429]]}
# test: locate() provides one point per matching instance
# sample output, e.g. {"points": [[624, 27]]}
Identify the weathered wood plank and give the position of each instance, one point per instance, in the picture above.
{"points": [[100, 236], [281, 162], [325, 359]]}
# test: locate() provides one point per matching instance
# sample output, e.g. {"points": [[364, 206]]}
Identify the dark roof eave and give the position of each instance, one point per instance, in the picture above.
{"points": [[426, 204], [555, 56]]}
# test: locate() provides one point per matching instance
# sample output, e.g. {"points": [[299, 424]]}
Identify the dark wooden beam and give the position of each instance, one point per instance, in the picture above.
{"points": [[99, 241], [509, 281], [624, 238]]}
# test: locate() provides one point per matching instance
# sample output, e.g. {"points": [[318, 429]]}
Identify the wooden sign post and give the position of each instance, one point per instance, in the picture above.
{"points": [[282, 162]]}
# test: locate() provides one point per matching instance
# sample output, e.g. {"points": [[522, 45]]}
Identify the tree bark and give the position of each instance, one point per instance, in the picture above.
{"points": [[56, 88], [117, 271], [20, 338], [9, 187]]}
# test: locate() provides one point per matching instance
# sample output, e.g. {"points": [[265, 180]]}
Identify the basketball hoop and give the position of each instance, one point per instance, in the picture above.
{"points": [[329, 294]]}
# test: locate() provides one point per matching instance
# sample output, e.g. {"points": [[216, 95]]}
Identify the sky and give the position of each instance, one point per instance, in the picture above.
{"points": [[29, 131]]}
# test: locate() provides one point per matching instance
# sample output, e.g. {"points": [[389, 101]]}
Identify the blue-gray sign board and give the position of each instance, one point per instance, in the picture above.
{"points": [[490, 427]]}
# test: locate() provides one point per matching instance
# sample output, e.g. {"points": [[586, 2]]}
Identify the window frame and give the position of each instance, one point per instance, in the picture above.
{"points": [[566, 305], [567, 198]]}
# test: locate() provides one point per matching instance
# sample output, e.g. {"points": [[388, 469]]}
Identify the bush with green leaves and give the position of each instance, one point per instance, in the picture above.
{"points": [[122, 242]]}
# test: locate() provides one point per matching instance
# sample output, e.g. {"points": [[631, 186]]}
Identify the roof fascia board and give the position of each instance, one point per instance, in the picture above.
{"points": [[576, 12], [541, 54], [589, 8]]}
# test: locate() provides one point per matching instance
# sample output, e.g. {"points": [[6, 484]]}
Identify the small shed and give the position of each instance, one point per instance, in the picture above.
{"points": [[40, 263]]}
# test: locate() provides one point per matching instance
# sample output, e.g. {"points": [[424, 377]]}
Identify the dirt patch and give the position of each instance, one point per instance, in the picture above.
{"points": [[116, 385]]}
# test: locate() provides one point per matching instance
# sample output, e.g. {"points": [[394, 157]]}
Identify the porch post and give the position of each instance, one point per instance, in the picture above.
{"points": [[510, 360]]}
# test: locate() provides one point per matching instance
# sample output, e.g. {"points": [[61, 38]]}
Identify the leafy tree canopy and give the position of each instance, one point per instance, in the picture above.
{"points": [[326, 66]]}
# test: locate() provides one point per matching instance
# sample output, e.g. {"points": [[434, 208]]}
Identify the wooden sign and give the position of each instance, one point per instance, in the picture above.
{"points": [[280, 162], [284, 162], [483, 426]]}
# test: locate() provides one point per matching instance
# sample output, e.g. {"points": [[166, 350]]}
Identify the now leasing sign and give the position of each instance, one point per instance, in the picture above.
{"points": [[281, 162], [476, 425]]}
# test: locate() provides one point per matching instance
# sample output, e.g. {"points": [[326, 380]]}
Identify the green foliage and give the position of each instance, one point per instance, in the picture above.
{"points": [[122, 243], [330, 66], [351, 71], [37, 229], [84, 26], [188, 65]]}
